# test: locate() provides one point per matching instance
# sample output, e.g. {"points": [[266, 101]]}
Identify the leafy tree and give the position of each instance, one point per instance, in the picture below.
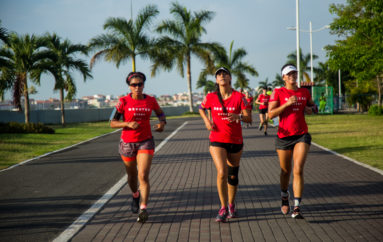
{"points": [[181, 38], [232, 60], [207, 85], [278, 81], [65, 61], [360, 24], [22, 58], [4, 35], [265, 84], [304, 64], [125, 39]]}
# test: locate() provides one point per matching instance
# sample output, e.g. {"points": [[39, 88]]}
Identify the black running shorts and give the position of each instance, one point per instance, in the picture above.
{"points": [[230, 148], [263, 111], [288, 143]]}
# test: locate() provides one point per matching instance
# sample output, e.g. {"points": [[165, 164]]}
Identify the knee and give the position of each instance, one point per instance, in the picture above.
{"points": [[298, 171], [285, 172], [232, 178], [221, 174], [143, 177]]}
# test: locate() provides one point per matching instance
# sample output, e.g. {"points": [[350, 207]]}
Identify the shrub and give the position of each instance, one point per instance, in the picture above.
{"points": [[14, 127], [375, 110]]}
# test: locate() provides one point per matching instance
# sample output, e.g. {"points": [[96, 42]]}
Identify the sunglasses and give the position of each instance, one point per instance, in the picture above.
{"points": [[137, 84]]}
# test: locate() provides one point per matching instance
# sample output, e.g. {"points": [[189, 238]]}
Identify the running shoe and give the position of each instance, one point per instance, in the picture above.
{"points": [[265, 133], [232, 212], [135, 204], [285, 208], [142, 216], [297, 213], [260, 127], [222, 215]]}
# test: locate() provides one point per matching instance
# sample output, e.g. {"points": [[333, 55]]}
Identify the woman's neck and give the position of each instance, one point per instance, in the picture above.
{"points": [[137, 96], [291, 87], [225, 91]]}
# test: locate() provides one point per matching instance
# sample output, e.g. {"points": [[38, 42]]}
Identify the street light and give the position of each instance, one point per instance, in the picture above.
{"points": [[311, 31]]}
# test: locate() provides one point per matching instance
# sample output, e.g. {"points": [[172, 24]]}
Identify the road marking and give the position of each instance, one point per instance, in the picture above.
{"points": [[83, 219], [350, 159]]}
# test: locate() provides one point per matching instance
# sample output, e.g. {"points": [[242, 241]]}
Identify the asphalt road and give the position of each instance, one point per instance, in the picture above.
{"points": [[39, 199]]}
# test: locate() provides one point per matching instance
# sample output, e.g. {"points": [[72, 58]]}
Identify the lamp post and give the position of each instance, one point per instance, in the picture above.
{"points": [[311, 31], [297, 36]]}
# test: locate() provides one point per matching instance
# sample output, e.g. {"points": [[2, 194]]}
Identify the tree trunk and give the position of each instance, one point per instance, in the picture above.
{"points": [[26, 97], [133, 63], [189, 84], [62, 107], [379, 83]]}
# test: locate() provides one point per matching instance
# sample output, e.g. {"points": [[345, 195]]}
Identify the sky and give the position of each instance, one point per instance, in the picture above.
{"points": [[258, 26]]}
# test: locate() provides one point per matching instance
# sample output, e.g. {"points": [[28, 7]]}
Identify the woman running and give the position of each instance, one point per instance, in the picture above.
{"points": [[226, 142], [263, 101], [290, 103], [137, 145]]}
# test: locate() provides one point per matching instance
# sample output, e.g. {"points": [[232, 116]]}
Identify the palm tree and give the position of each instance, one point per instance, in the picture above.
{"points": [[4, 35], [23, 57], [208, 85], [233, 61], [182, 40], [126, 39], [265, 84], [278, 82], [304, 64], [64, 62]]}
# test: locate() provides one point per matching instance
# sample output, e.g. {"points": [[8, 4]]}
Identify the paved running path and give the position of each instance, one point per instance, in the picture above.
{"points": [[342, 201]]}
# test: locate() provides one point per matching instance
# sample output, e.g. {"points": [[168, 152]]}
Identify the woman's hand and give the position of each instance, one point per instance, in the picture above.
{"points": [[292, 100], [159, 127], [210, 125], [133, 125], [233, 117]]}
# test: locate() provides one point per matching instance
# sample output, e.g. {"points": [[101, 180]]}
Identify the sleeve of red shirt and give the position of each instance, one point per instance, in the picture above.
{"points": [[155, 104], [205, 103], [274, 96], [120, 105]]}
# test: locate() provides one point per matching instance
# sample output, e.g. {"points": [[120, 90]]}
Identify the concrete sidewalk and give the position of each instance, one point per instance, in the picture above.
{"points": [[342, 201]]}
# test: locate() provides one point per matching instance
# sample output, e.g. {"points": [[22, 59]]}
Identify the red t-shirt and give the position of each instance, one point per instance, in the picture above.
{"points": [[263, 99], [139, 111], [225, 131], [292, 119]]}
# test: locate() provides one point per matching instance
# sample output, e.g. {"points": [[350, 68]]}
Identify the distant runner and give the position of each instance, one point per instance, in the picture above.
{"points": [[263, 101], [137, 144]]}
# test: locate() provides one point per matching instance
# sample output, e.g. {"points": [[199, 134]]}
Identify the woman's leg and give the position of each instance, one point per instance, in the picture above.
{"points": [[300, 154], [233, 160], [262, 119], [144, 161], [131, 171], [285, 157], [266, 122], [219, 156]]}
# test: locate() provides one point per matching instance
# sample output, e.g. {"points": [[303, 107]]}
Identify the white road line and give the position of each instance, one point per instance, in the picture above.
{"points": [[49, 153], [81, 221], [350, 159]]}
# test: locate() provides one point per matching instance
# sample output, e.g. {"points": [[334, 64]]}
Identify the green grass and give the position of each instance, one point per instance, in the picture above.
{"points": [[354, 135], [15, 148], [357, 136]]}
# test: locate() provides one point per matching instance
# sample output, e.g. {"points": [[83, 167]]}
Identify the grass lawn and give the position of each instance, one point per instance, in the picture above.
{"points": [[357, 136], [354, 135], [15, 148]]}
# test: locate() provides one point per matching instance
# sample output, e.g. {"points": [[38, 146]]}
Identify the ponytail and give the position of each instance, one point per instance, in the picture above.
{"points": [[220, 98]]}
